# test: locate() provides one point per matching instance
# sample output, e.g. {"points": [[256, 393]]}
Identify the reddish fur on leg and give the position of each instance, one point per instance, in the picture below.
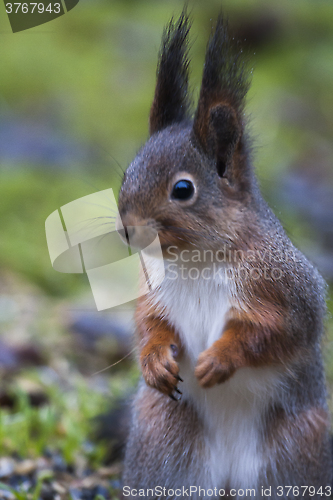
{"points": [[159, 368], [248, 340]]}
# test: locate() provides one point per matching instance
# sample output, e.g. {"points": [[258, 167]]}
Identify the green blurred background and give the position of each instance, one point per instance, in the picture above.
{"points": [[74, 102]]}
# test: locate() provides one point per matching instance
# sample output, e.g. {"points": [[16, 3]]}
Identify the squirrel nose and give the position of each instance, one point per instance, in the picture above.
{"points": [[135, 232], [130, 230], [126, 220], [127, 227]]}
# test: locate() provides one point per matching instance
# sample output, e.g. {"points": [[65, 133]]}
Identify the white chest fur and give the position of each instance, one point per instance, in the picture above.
{"points": [[196, 307], [231, 412]]}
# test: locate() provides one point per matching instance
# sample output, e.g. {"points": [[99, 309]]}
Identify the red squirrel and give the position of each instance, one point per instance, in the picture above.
{"points": [[233, 394]]}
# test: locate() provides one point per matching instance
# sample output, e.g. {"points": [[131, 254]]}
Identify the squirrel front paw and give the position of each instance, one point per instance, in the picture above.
{"points": [[213, 367], [160, 370]]}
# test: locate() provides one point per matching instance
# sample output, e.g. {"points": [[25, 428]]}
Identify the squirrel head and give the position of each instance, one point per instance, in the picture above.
{"points": [[192, 181]]}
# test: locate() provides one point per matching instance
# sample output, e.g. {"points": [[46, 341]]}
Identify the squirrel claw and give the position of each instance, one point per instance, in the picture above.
{"points": [[172, 396], [160, 370], [179, 378]]}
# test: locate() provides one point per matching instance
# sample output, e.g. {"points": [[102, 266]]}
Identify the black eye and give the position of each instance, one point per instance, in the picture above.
{"points": [[182, 190]]}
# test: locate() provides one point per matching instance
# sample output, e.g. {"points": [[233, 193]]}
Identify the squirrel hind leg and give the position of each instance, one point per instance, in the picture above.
{"points": [[299, 449], [165, 445]]}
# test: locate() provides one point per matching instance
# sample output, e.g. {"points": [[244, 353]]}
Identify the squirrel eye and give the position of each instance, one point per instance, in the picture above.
{"points": [[182, 190]]}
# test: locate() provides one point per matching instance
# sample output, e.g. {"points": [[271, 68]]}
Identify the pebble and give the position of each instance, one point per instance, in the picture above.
{"points": [[7, 466], [25, 467]]}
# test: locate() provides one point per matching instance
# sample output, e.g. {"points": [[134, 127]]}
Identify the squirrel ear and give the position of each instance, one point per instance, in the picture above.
{"points": [[218, 122], [171, 103], [223, 135]]}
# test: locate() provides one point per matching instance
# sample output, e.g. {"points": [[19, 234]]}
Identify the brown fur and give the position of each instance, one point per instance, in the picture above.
{"points": [[158, 365], [277, 313]]}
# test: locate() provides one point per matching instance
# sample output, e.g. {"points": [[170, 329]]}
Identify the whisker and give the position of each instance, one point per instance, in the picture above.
{"points": [[108, 207], [100, 217], [104, 236], [90, 222], [96, 227], [122, 170], [116, 363]]}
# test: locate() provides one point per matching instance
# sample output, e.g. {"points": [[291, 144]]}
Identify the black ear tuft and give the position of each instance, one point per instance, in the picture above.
{"points": [[223, 136], [218, 123], [171, 102]]}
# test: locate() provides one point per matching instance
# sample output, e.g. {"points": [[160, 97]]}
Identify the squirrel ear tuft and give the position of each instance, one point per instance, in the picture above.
{"points": [[223, 136], [171, 102], [218, 122]]}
